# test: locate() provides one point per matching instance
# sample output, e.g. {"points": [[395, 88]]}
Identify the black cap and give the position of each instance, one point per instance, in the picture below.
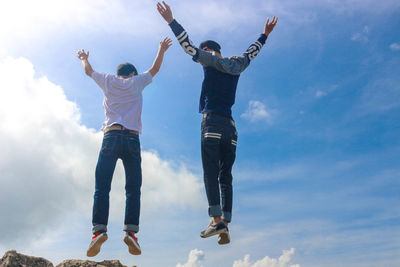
{"points": [[211, 45], [126, 69]]}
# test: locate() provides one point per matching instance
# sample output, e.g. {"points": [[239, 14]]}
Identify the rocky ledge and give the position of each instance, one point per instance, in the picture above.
{"points": [[13, 259]]}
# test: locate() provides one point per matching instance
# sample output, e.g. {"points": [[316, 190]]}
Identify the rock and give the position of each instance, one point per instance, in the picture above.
{"points": [[85, 263], [13, 259]]}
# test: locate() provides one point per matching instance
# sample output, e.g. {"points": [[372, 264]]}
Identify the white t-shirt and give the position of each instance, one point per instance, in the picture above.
{"points": [[123, 99]]}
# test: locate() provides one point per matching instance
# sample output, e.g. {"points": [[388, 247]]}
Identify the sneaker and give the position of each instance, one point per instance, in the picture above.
{"points": [[97, 240], [224, 238], [131, 240], [214, 229]]}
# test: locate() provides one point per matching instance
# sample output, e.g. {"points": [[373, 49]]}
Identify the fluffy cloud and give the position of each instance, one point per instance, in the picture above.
{"points": [[283, 261], [42, 19], [96, 15], [195, 259], [361, 36], [320, 94], [48, 157], [324, 92], [395, 47], [257, 111]]}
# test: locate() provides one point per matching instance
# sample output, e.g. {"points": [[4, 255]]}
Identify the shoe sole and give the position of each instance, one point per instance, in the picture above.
{"points": [[133, 249], [224, 239], [214, 233], [95, 249]]}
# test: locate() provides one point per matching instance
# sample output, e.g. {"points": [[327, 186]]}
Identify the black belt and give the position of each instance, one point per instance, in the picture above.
{"points": [[212, 114], [205, 114]]}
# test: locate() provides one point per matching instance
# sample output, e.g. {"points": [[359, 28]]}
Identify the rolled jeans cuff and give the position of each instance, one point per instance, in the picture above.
{"points": [[131, 228], [227, 216], [214, 210], [99, 228]]}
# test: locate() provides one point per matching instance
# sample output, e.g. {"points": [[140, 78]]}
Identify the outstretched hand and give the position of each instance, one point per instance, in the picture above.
{"points": [[165, 11], [165, 44], [82, 55], [269, 27]]}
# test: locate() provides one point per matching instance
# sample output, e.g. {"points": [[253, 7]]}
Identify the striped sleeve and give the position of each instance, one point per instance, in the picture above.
{"points": [[183, 38], [255, 47]]}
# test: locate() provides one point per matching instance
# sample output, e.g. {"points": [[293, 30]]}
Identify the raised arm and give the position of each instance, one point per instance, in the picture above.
{"points": [[180, 33], [233, 65], [164, 45], [236, 64], [84, 57], [255, 48]]}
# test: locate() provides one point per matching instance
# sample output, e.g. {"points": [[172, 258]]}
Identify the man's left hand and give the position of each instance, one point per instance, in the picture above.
{"points": [[165, 44], [269, 26]]}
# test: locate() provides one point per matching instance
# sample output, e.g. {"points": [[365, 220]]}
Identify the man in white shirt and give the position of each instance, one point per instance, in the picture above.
{"points": [[122, 126]]}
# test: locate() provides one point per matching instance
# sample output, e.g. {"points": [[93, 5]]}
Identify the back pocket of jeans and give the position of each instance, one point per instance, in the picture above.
{"points": [[109, 145], [134, 147]]}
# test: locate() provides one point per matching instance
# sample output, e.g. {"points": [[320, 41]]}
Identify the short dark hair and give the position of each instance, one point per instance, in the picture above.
{"points": [[125, 69], [211, 45]]}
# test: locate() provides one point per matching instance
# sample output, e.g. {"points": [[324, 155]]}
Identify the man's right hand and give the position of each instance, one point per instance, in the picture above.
{"points": [[82, 55], [165, 12]]}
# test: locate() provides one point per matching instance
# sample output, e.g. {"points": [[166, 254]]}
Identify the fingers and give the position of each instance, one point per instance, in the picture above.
{"points": [[160, 8], [82, 54], [274, 20], [167, 7], [165, 44], [167, 41]]}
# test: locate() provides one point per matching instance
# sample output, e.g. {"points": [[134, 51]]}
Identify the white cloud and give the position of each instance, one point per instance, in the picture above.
{"points": [[327, 90], [36, 22], [257, 111], [361, 36], [319, 94], [395, 47], [195, 259], [48, 158], [283, 261]]}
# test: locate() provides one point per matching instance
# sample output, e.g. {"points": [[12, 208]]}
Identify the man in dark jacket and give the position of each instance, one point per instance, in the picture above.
{"points": [[218, 132]]}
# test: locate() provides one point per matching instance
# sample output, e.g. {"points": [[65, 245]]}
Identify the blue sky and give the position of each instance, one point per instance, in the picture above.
{"points": [[318, 116]]}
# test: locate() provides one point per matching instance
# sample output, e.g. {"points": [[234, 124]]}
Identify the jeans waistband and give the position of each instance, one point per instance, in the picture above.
{"points": [[120, 127]]}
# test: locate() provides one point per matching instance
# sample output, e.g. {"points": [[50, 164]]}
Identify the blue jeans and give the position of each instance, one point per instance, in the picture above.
{"points": [[124, 145], [218, 153]]}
